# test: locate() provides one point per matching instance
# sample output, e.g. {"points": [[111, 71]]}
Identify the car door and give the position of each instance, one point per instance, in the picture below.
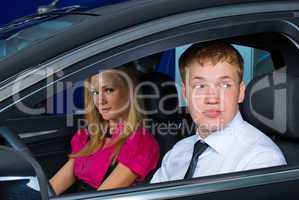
{"points": [[47, 136], [170, 32]]}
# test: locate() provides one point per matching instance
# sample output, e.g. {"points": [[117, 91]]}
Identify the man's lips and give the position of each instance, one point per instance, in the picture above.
{"points": [[212, 113]]}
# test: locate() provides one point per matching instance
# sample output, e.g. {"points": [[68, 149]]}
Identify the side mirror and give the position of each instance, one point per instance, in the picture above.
{"points": [[19, 178]]}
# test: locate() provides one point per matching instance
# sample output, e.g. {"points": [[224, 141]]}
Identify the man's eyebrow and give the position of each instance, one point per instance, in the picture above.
{"points": [[200, 78], [225, 77]]}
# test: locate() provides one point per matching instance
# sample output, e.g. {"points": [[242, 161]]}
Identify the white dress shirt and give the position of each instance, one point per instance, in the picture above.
{"points": [[239, 146]]}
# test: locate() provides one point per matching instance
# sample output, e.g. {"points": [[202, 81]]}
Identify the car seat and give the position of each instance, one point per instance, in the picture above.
{"points": [[163, 116], [270, 104]]}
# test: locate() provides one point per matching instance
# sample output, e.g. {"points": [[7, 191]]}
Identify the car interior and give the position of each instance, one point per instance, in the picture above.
{"points": [[271, 95], [274, 95]]}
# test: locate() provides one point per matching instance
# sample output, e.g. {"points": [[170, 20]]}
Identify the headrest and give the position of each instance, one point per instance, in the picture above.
{"points": [[271, 104], [159, 95]]}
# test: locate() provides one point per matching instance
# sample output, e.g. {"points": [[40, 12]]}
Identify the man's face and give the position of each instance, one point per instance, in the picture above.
{"points": [[213, 94]]}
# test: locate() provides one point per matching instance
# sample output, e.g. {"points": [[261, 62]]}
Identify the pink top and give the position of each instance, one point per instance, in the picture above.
{"points": [[140, 153]]}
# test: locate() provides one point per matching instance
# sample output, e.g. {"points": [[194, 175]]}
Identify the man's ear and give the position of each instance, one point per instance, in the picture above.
{"points": [[241, 92]]}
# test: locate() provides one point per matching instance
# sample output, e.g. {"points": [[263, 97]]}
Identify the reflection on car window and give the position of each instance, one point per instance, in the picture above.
{"points": [[262, 62], [256, 62], [21, 39]]}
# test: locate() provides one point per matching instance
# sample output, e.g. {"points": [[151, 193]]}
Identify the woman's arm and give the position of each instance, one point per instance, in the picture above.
{"points": [[64, 178], [121, 176]]}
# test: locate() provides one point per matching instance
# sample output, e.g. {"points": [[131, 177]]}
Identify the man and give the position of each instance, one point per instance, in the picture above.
{"points": [[213, 88]]}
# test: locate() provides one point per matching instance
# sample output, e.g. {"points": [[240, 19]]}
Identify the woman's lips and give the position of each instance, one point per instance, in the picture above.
{"points": [[105, 110], [212, 113]]}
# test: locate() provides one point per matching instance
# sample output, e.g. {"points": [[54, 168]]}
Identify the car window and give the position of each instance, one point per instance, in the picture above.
{"points": [[262, 63], [71, 100]]}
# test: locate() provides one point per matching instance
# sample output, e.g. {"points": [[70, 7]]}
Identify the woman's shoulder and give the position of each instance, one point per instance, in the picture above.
{"points": [[79, 139], [144, 137], [140, 153], [81, 134]]}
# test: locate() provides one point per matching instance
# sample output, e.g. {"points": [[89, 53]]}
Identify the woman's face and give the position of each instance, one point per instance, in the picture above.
{"points": [[110, 96]]}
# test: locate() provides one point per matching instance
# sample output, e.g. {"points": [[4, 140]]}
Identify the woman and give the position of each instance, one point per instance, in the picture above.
{"points": [[114, 150]]}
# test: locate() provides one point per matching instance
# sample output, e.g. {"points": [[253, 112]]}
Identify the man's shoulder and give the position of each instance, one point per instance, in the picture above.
{"points": [[257, 150], [249, 134], [256, 140]]}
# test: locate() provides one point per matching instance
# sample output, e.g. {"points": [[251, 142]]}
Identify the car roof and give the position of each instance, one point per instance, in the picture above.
{"points": [[111, 18]]}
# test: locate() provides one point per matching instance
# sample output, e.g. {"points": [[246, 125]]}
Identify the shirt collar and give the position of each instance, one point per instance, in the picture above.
{"points": [[221, 140]]}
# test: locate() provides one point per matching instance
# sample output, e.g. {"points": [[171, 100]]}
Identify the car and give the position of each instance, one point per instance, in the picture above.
{"points": [[45, 59]]}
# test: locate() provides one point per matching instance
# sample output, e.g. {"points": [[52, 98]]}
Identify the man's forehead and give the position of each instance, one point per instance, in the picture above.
{"points": [[220, 70], [224, 77]]}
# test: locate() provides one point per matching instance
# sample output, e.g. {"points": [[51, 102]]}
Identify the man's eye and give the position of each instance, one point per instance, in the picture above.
{"points": [[201, 86], [226, 85]]}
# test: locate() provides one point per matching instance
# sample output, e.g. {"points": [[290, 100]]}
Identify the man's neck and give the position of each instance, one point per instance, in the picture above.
{"points": [[204, 133]]}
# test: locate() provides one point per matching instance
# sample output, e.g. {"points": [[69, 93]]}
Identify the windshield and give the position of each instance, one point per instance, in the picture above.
{"points": [[26, 37]]}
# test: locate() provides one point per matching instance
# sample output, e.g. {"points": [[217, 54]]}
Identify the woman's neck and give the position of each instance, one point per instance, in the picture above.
{"points": [[113, 124]]}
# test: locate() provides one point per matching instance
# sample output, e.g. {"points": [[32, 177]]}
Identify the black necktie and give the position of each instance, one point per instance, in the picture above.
{"points": [[199, 148]]}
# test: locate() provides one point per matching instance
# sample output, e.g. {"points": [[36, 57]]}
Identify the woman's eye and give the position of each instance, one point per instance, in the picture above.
{"points": [[94, 93], [109, 90]]}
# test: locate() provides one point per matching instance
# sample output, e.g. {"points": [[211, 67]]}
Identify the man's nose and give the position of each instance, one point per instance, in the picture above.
{"points": [[212, 100], [212, 95]]}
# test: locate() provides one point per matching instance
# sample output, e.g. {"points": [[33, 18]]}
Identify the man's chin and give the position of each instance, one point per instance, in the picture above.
{"points": [[210, 127]]}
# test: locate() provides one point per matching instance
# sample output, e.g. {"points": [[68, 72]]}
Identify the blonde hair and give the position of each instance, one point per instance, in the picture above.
{"points": [[97, 136], [213, 52]]}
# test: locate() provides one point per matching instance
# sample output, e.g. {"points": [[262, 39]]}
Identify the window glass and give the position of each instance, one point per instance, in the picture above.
{"points": [[256, 62], [262, 62]]}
